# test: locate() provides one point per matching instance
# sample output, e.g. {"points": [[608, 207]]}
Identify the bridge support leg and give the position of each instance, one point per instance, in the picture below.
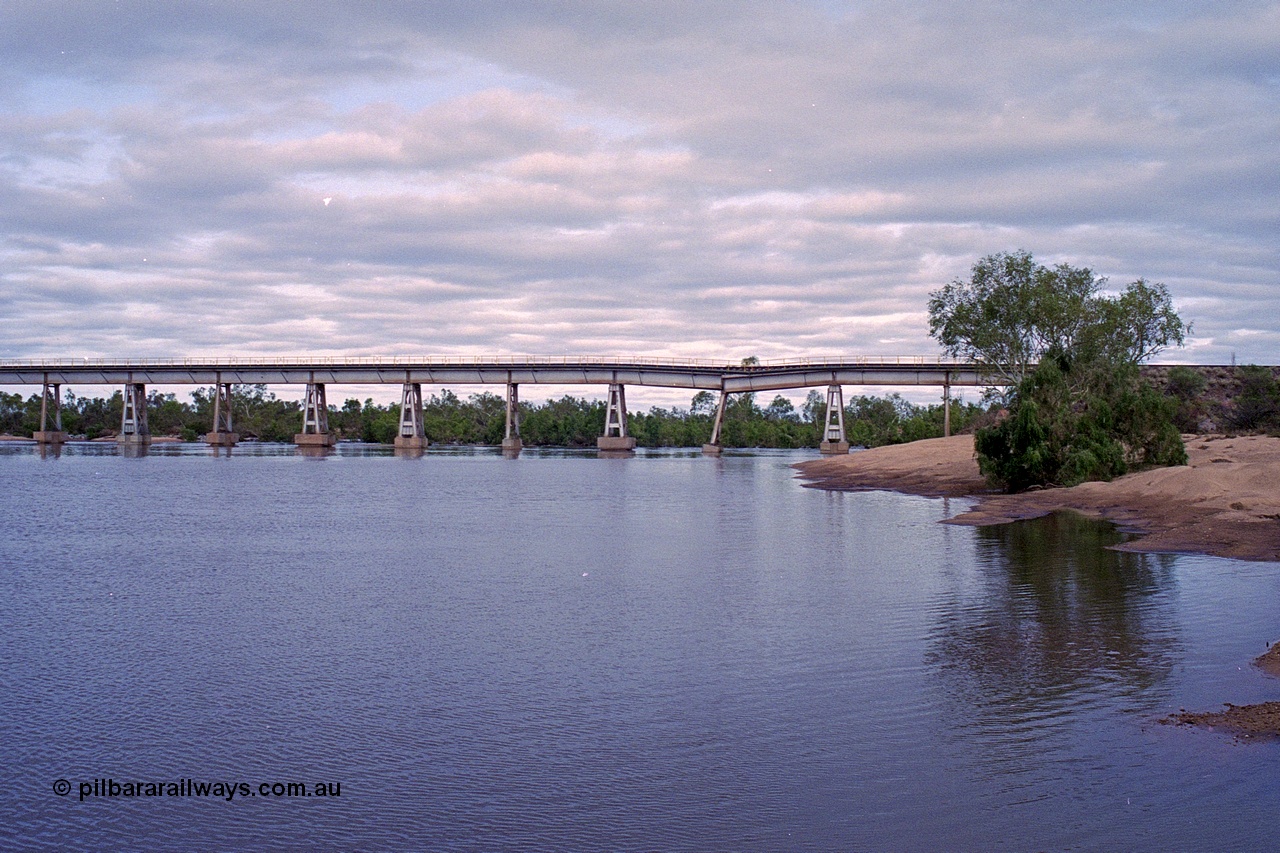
{"points": [[833, 438], [133, 421], [712, 448], [615, 422], [223, 435], [315, 419], [946, 408], [412, 435], [511, 443], [52, 395]]}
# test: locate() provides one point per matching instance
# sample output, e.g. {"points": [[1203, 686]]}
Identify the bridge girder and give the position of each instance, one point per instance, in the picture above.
{"points": [[734, 379]]}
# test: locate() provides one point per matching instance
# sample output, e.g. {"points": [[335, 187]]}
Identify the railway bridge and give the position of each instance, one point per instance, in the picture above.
{"points": [[411, 373]]}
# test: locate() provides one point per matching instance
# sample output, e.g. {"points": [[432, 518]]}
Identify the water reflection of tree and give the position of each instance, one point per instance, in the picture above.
{"points": [[1053, 620]]}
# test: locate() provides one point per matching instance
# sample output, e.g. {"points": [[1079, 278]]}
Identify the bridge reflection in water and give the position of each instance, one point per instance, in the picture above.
{"points": [[412, 372]]}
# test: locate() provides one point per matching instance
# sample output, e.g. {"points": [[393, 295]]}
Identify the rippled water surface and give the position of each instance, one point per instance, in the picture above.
{"points": [[563, 652]]}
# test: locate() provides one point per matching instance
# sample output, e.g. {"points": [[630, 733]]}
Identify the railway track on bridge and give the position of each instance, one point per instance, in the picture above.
{"points": [[412, 372]]}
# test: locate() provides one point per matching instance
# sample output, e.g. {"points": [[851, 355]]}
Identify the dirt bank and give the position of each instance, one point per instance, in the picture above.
{"points": [[1245, 722], [1225, 502]]}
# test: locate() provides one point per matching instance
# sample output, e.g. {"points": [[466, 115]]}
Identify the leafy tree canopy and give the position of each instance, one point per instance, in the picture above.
{"points": [[1013, 312], [1067, 355]]}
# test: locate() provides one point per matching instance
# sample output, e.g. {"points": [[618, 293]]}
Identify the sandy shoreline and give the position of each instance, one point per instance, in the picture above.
{"points": [[1225, 502]]}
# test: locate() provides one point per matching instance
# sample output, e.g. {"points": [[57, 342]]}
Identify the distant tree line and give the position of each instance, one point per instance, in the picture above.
{"points": [[481, 419]]}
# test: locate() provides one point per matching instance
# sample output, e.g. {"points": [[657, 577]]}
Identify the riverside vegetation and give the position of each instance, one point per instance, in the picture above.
{"points": [[1242, 399], [1066, 357]]}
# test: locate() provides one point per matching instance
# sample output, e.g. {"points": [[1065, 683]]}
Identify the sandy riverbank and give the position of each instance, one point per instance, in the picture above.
{"points": [[1225, 502]]}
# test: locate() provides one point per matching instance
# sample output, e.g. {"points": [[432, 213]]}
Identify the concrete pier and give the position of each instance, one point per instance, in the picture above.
{"points": [[511, 443], [833, 437], [223, 435], [134, 430], [315, 419], [946, 408], [615, 438], [712, 448], [412, 436], [52, 395]]}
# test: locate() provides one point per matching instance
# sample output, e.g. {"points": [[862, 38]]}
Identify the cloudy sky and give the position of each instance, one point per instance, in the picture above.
{"points": [[686, 179]]}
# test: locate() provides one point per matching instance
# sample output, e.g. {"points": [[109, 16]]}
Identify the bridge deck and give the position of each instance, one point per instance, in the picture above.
{"points": [[482, 370]]}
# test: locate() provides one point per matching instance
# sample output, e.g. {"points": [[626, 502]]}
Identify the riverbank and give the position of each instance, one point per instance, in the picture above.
{"points": [[1224, 502]]}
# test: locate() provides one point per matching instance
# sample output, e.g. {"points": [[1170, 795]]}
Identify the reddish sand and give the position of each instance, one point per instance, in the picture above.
{"points": [[1225, 502]]}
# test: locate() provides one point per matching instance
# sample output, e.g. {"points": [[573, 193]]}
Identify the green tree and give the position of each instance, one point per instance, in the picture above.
{"points": [[782, 409], [703, 403], [1013, 312], [1068, 357]]}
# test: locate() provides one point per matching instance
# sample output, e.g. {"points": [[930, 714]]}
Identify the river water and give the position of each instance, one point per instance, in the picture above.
{"points": [[569, 653]]}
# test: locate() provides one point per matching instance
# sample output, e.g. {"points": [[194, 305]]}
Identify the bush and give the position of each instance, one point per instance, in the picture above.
{"points": [[1056, 435], [1186, 386], [1258, 404]]}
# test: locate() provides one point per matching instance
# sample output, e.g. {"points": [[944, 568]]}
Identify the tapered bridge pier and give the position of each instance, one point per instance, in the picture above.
{"points": [[134, 430], [615, 438], [50, 399], [834, 442], [223, 435], [315, 419], [412, 435]]}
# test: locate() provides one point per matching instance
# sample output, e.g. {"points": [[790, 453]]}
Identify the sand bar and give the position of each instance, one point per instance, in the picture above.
{"points": [[1225, 502]]}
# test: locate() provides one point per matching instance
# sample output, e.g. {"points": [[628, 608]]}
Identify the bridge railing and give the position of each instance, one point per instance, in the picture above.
{"points": [[475, 360]]}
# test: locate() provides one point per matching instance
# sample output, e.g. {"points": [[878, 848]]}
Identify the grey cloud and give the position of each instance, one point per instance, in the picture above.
{"points": [[679, 178]]}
